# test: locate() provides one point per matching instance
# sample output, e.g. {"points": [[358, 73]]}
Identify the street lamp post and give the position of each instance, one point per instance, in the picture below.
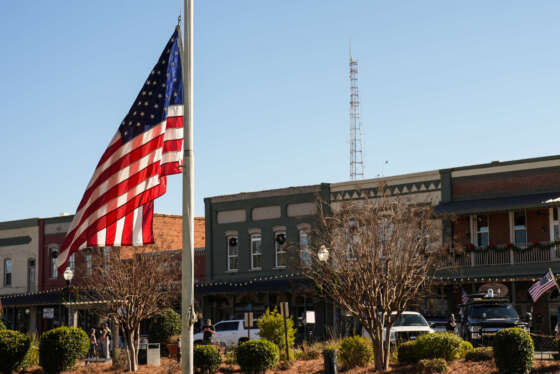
{"points": [[68, 275]]}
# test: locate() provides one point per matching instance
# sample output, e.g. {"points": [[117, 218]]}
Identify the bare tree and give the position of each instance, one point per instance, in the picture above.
{"points": [[379, 260], [133, 287]]}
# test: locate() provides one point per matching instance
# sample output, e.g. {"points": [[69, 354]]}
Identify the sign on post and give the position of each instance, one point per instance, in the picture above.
{"points": [[285, 312], [248, 323], [284, 309]]}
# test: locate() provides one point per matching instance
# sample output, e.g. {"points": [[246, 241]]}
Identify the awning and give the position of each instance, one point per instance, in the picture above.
{"points": [[529, 272], [253, 285], [32, 299], [543, 200]]}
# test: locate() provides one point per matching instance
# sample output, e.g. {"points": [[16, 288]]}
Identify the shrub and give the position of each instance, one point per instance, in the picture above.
{"points": [[256, 356], [271, 325], [60, 348], [13, 347], [207, 358], [439, 345], [407, 353], [32, 356], [163, 327], [464, 348], [480, 354], [430, 366], [309, 352], [513, 351], [2, 326], [355, 351]]}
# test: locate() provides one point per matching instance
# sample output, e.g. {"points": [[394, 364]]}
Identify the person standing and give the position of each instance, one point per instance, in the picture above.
{"points": [[105, 341], [451, 324], [208, 332], [92, 344]]}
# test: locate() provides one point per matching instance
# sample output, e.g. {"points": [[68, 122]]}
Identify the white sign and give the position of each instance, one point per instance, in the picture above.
{"points": [[309, 316], [48, 313]]}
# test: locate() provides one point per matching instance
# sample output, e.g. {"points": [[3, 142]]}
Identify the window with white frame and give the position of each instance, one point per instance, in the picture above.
{"points": [[482, 232], [555, 225], [256, 254], [107, 257], [280, 242], [72, 262], [232, 245], [520, 228], [7, 272], [31, 274]]}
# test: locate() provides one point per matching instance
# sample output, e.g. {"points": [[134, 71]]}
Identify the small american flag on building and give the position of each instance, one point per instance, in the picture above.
{"points": [[543, 285], [117, 207]]}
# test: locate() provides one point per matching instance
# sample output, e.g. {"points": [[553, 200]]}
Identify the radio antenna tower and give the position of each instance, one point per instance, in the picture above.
{"points": [[356, 160]]}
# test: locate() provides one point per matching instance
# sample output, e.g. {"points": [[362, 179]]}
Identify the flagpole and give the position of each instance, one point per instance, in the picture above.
{"points": [[187, 268]]}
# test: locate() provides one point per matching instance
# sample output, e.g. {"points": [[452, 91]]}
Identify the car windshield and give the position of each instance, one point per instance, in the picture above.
{"points": [[410, 320], [226, 326], [493, 311]]}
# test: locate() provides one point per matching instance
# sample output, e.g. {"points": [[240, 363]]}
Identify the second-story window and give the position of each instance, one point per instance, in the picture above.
{"points": [[31, 275], [107, 257], [72, 262], [305, 255], [482, 233], [88, 264], [53, 254], [232, 244], [7, 272], [519, 228], [256, 254], [280, 243]]}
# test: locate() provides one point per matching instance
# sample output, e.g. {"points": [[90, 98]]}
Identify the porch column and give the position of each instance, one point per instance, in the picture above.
{"points": [[74, 317], [32, 321]]}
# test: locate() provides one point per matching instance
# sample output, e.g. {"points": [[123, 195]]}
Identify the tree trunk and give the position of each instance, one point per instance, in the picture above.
{"points": [[132, 351], [387, 353]]}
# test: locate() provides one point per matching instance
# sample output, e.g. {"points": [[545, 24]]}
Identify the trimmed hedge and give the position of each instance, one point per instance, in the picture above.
{"points": [[464, 348], [513, 351], [2, 326], [355, 351], [432, 366], [480, 354], [60, 348], [439, 345], [407, 353], [256, 356], [13, 347], [207, 358]]}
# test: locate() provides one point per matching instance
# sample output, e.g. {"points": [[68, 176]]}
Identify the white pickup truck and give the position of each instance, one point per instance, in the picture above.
{"points": [[229, 333]]}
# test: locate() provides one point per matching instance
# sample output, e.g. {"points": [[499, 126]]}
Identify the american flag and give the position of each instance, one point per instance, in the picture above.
{"points": [[464, 297], [117, 207], [543, 285]]}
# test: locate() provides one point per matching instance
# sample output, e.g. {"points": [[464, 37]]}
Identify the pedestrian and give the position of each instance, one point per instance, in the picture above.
{"points": [[451, 324], [208, 332], [92, 344], [105, 341]]}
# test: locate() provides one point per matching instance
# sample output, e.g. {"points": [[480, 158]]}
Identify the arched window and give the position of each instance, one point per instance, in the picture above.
{"points": [[232, 245], [53, 254], [280, 243]]}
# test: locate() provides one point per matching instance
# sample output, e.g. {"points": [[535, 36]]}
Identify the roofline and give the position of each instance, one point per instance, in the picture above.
{"points": [[20, 223], [388, 179], [503, 163], [266, 193]]}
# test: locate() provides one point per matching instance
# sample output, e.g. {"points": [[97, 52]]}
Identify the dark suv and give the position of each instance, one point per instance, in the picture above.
{"points": [[482, 317]]}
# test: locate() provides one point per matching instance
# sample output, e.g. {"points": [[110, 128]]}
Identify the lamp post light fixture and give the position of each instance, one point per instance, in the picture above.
{"points": [[68, 275], [323, 254]]}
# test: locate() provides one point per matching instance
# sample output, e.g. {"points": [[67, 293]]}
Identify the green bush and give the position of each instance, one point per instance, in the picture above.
{"points": [[13, 347], [271, 325], [60, 348], [256, 356], [431, 366], [439, 345], [207, 358], [2, 326], [163, 326], [407, 352], [513, 351], [464, 348], [355, 351], [32, 356], [480, 354]]}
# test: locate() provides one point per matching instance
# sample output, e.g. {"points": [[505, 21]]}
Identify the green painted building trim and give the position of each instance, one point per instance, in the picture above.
{"points": [[503, 163], [60, 219], [18, 224], [16, 240]]}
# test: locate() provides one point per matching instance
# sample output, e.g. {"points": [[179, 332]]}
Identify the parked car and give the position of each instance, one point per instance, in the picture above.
{"points": [[229, 333], [483, 316], [408, 326]]}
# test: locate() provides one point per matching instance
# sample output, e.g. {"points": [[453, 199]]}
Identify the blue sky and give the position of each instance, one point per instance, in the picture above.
{"points": [[442, 84]]}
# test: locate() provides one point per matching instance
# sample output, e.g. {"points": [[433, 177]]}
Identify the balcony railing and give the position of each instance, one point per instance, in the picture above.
{"points": [[504, 257]]}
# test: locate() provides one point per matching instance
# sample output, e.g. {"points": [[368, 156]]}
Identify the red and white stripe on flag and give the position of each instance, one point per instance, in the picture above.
{"points": [[117, 207]]}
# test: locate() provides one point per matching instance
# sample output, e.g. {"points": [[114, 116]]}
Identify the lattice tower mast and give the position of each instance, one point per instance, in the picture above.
{"points": [[356, 157]]}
